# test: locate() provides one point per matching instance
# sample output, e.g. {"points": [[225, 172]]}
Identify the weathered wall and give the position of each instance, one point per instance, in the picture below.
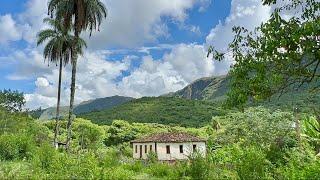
{"points": [[136, 154], [174, 150]]}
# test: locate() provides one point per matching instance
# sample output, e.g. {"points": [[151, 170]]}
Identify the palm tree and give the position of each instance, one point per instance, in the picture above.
{"points": [[58, 49], [81, 15]]}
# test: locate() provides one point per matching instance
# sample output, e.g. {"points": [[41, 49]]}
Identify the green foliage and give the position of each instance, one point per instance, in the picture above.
{"points": [[251, 163], [258, 126], [14, 146], [280, 55], [120, 132], [89, 136], [311, 131], [256, 144], [12, 100], [199, 167], [164, 110]]}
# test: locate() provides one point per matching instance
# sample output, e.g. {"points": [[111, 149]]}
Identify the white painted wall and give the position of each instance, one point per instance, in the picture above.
{"points": [[136, 154], [174, 150]]}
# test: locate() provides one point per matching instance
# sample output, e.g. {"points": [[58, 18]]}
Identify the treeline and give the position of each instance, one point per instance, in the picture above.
{"points": [[163, 110]]}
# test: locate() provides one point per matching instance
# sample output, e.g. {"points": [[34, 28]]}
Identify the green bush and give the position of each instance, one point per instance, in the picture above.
{"points": [[117, 173], [199, 167], [89, 135], [14, 146], [162, 170], [251, 163]]}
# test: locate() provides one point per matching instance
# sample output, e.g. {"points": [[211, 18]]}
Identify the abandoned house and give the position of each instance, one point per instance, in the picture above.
{"points": [[168, 146]]}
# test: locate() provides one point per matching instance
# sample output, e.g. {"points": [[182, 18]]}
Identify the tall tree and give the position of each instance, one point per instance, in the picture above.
{"points": [[12, 100], [280, 55], [80, 15], [58, 49]]}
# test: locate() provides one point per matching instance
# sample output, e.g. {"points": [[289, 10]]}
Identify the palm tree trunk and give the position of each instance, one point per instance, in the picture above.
{"points": [[57, 125], [72, 93]]}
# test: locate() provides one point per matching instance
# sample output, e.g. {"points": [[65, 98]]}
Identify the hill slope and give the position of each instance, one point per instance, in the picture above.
{"points": [[216, 88], [163, 110], [84, 107], [100, 104], [208, 88]]}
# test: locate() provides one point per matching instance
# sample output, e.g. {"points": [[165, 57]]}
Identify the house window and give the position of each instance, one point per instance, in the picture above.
{"points": [[145, 149], [168, 149], [136, 149], [150, 148], [181, 148], [194, 147]]}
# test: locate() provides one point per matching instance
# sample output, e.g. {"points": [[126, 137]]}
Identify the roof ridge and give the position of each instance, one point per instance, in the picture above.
{"points": [[170, 137]]}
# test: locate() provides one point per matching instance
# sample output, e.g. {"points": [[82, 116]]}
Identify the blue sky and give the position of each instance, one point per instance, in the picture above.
{"points": [[144, 48]]}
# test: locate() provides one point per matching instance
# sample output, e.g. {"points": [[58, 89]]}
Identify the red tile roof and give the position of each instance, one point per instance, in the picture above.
{"points": [[169, 137]]}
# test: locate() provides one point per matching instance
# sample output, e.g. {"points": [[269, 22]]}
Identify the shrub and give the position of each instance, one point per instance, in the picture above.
{"points": [[117, 173], [251, 163], [16, 146], [199, 167], [89, 135], [162, 170]]}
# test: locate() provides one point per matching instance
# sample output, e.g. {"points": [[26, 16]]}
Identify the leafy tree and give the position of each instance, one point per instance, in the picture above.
{"points": [[89, 135], [80, 15], [58, 49], [280, 55], [311, 131], [12, 100]]}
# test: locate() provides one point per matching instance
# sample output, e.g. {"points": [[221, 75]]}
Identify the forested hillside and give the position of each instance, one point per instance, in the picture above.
{"points": [[163, 110], [216, 88]]}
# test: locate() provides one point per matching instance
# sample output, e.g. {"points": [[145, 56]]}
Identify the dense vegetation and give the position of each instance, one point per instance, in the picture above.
{"points": [[256, 144], [164, 110]]}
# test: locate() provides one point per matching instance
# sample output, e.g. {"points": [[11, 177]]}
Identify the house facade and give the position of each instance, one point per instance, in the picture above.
{"points": [[168, 146]]}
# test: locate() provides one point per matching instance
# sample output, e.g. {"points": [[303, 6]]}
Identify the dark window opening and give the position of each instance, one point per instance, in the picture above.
{"points": [[150, 147], [168, 149], [136, 148], [181, 148], [194, 147], [145, 149]]}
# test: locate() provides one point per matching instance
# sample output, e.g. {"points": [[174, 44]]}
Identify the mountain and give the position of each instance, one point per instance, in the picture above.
{"points": [[208, 88], [163, 110], [100, 104], [216, 88], [84, 107]]}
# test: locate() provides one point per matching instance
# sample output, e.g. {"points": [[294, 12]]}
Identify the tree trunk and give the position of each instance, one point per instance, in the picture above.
{"points": [[72, 93], [297, 125], [57, 125]]}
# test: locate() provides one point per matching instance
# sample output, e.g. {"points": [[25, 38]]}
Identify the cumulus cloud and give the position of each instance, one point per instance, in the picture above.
{"points": [[248, 14], [184, 64], [8, 29], [42, 82], [132, 25]]}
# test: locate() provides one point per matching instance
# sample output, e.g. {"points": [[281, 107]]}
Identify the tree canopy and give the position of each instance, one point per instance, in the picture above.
{"points": [[12, 100], [280, 55]]}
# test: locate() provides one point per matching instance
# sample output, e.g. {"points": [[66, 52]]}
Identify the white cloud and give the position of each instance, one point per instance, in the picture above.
{"points": [[8, 29], [248, 14], [184, 64], [42, 82], [132, 24], [34, 101]]}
